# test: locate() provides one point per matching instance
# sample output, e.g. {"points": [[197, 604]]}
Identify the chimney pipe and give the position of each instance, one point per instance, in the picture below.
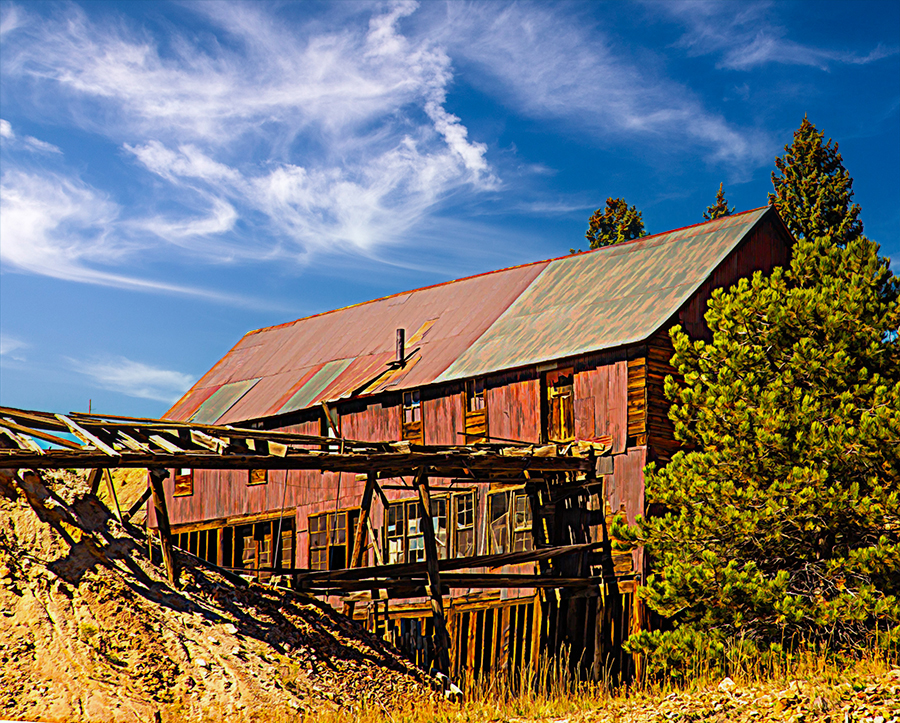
{"points": [[401, 346]]}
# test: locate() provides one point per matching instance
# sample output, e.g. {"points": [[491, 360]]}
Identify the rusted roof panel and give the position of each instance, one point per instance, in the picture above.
{"points": [[442, 321], [309, 392], [221, 401], [603, 299], [482, 324]]}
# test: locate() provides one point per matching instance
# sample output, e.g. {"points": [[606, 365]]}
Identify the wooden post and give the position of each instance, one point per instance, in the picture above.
{"points": [[162, 522], [441, 637], [359, 538], [609, 645], [112, 493]]}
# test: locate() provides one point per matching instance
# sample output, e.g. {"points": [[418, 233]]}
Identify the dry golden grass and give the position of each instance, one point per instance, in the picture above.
{"points": [[801, 688]]}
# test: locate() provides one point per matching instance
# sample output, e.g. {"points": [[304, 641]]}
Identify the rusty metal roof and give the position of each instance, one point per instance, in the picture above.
{"points": [[478, 325]]}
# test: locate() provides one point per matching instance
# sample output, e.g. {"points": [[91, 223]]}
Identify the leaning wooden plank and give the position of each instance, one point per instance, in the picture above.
{"points": [[133, 444], [165, 444], [86, 436], [111, 488], [37, 434], [22, 441], [140, 502]]}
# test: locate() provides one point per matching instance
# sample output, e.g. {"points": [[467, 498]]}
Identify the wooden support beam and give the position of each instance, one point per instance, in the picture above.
{"points": [[359, 539], [157, 476], [112, 493], [140, 502], [94, 478], [441, 638], [396, 570]]}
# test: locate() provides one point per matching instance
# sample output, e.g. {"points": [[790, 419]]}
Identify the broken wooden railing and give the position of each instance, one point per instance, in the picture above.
{"points": [[31, 440]]}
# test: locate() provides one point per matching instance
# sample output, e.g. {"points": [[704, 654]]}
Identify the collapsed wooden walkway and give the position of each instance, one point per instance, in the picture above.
{"points": [[31, 440]]}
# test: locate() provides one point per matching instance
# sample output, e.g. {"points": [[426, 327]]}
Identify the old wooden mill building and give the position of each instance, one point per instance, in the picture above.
{"points": [[555, 359]]}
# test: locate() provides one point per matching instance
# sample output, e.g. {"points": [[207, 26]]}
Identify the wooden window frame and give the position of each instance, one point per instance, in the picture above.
{"points": [[412, 425], [517, 527], [459, 527], [476, 418], [407, 527], [232, 543], [522, 536], [326, 555], [183, 484], [256, 477], [559, 405]]}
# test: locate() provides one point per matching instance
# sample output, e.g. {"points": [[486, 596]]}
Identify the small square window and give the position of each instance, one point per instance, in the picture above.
{"points": [[184, 483], [258, 477]]}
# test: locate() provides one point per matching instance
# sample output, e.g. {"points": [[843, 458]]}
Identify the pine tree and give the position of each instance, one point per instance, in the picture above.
{"points": [[782, 519], [719, 208], [813, 190], [616, 223]]}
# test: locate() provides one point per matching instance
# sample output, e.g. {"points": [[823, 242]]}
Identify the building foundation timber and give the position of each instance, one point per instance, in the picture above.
{"points": [[441, 637]]}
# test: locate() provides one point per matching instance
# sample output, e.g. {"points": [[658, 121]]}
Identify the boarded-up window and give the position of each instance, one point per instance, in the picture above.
{"points": [[257, 477], [331, 539], [184, 482], [560, 409], [411, 428], [476, 412], [464, 522]]}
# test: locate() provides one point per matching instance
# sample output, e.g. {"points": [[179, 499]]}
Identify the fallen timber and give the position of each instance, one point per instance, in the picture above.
{"points": [[573, 469]]}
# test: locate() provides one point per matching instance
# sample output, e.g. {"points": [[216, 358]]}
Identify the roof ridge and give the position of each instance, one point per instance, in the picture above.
{"points": [[493, 271]]}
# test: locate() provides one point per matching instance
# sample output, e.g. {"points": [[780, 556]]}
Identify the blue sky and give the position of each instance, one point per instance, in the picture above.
{"points": [[175, 174]]}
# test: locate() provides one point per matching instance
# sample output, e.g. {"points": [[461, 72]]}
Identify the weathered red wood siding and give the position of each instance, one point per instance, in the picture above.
{"points": [[514, 409], [444, 416], [766, 247], [601, 400]]}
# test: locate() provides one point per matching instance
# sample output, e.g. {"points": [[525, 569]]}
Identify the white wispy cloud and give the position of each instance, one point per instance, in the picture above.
{"points": [[547, 63], [54, 225], [28, 142], [9, 345], [133, 378], [283, 140], [748, 35]]}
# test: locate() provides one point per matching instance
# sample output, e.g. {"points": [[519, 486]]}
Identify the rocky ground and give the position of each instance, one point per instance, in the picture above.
{"points": [[90, 630]]}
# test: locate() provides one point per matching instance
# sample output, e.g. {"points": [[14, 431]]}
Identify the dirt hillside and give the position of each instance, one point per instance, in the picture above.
{"points": [[91, 631]]}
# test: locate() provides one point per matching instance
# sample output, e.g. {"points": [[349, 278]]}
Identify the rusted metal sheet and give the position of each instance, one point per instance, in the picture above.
{"points": [[607, 386], [625, 487], [222, 400], [604, 298], [442, 321], [443, 418], [189, 403], [514, 410]]}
